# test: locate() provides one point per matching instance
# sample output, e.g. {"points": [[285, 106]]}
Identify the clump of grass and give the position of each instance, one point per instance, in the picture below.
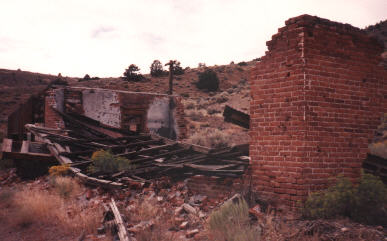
{"points": [[231, 222], [40, 206], [105, 162], [195, 115], [212, 138], [222, 98], [66, 187], [212, 111], [365, 202], [190, 105]]}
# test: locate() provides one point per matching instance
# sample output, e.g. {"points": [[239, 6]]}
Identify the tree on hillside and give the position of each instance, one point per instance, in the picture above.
{"points": [[208, 80], [131, 74], [156, 69], [177, 69]]}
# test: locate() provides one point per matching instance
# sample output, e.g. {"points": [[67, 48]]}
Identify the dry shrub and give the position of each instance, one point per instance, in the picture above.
{"points": [[231, 223], [195, 115], [149, 210], [222, 98], [190, 105], [65, 187], [60, 170], [39, 206], [379, 149], [212, 138], [212, 111]]}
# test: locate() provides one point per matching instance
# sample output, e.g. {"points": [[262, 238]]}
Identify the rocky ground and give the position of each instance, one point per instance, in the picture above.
{"points": [[62, 209]]}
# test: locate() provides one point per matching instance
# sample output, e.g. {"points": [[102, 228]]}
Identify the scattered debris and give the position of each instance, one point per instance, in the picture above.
{"points": [[152, 156]]}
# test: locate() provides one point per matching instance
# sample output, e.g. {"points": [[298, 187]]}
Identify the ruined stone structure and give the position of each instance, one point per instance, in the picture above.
{"points": [[317, 96], [136, 111]]}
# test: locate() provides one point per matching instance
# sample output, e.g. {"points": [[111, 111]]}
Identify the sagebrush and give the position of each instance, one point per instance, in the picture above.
{"points": [[365, 202], [105, 162], [231, 223]]}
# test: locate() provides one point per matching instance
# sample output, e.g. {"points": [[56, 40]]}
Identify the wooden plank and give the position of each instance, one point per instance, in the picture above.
{"points": [[25, 147], [7, 145], [149, 150], [210, 167], [122, 232], [236, 117], [158, 156]]}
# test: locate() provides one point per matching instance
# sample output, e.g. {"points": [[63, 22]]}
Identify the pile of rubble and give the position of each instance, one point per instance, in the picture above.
{"points": [[163, 205]]}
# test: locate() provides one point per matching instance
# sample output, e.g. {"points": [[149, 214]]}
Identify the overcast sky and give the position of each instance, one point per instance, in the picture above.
{"points": [[103, 37]]}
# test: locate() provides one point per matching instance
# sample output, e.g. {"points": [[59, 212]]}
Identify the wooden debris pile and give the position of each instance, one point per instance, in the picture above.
{"points": [[152, 156]]}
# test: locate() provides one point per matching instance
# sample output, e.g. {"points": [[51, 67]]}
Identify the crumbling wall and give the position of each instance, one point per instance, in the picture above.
{"points": [[102, 105], [317, 97], [54, 99], [142, 112]]}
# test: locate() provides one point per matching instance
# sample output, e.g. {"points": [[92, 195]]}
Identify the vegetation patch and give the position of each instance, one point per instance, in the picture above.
{"points": [[231, 222], [208, 80], [104, 162], [60, 170], [365, 202], [212, 138]]}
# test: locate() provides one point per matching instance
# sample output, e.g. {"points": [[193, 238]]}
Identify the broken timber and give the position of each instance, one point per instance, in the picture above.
{"points": [[151, 155], [122, 232], [236, 117]]}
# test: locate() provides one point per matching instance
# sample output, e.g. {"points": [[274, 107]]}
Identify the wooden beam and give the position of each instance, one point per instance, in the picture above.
{"points": [[25, 147], [149, 150], [122, 232]]}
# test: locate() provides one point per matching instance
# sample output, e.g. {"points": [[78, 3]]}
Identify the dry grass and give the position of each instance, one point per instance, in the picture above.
{"points": [[35, 206], [150, 210], [231, 222], [65, 187], [212, 138]]}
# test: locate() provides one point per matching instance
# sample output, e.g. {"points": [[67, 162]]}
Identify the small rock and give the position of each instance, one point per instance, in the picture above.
{"points": [[344, 229], [256, 211], [183, 225], [188, 208], [179, 210], [202, 214], [159, 199], [191, 233]]}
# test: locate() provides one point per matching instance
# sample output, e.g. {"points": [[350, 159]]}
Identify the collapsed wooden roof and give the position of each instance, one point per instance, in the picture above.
{"points": [[153, 156]]}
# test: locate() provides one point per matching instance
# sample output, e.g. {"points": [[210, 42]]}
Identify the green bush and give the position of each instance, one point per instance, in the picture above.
{"points": [[131, 74], [156, 69], [370, 201], [231, 223], [208, 80], [330, 203], [366, 202], [105, 162]]}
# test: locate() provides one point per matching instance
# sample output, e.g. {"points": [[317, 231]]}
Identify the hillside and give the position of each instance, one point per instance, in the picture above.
{"points": [[16, 87], [203, 109], [379, 31]]}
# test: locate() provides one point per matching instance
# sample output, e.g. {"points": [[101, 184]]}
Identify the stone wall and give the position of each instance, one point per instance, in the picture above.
{"points": [[316, 98]]}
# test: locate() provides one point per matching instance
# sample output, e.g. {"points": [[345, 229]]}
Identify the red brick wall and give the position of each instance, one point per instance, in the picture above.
{"points": [[317, 97]]}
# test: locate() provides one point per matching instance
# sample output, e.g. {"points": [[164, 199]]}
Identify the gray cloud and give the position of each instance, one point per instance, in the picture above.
{"points": [[101, 31], [152, 39]]}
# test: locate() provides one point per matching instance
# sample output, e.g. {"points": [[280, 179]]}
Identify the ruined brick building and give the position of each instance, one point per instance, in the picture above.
{"points": [[317, 97]]}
